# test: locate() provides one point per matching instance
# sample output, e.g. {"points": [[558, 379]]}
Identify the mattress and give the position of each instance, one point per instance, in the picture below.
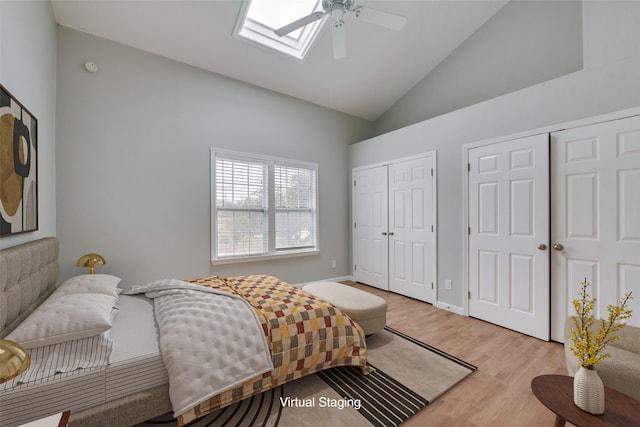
{"points": [[135, 365], [136, 362]]}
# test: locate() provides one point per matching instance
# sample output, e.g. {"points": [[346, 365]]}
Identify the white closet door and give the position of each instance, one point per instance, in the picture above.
{"points": [[595, 216], [371, 252], [509, 234], [411, 229]]}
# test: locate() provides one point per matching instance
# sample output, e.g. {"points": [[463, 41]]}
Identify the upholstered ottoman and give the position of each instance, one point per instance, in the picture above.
{"points": [[367, 310]]}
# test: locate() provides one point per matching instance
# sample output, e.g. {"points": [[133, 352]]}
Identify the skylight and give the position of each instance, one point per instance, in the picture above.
{"points": [[260, 18]]}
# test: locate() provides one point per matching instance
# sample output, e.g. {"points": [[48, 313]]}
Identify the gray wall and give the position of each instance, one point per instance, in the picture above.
{"points": [[28, 71], [525, 43], [133, 162], [608, 83]]}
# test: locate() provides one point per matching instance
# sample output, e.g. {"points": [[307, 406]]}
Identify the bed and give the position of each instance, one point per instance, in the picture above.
{"points": [[302, 333]]}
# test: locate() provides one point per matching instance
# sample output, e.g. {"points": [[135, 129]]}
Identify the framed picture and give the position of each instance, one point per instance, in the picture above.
{"points": [[18, 167]]}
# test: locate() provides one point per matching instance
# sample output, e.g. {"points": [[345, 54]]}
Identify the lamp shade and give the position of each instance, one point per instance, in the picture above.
{"points": [[14, 360], [91, 261]]}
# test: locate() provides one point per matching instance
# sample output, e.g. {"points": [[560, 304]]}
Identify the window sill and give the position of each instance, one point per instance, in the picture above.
{"points": [[282, 255]]}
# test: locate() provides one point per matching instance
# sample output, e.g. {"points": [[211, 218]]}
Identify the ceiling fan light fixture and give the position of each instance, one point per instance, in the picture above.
{"points": [[337, 9]]}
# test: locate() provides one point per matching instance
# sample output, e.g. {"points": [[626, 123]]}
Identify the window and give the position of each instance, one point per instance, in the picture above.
{"points": [[260, 18], [261, 207]]}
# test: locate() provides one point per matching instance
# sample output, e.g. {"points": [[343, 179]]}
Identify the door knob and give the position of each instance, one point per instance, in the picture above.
{"points": [[391, 233], [542, 247], [558, 246], [384, 233]]}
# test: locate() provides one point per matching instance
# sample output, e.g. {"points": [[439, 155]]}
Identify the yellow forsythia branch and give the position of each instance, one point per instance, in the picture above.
{"points": [[589, 349]]}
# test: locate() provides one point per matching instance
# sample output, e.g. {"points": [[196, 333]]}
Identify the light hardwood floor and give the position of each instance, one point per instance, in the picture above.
{"points": [[499, 392]]}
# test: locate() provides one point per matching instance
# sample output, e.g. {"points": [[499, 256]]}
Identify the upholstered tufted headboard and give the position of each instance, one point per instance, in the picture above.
{"points": [[28, 275]]}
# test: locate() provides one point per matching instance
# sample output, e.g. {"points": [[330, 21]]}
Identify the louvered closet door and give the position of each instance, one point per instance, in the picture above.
{"points": [[371, 252], [509, 234], [595, 216]]}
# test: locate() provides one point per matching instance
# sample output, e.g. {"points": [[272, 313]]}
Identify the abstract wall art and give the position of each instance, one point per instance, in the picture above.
{"points": [[18, 167]]}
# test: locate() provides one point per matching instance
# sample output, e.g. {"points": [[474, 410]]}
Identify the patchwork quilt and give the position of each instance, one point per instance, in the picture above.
{"points": [[304, 335]]}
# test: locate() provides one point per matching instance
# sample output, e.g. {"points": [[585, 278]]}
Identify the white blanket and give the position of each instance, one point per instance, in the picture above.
{"points": [[210, 340]]}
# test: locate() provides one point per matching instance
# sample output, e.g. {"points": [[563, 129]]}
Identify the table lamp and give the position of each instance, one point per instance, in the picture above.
{"points": [[14, 360], [91, 261]]}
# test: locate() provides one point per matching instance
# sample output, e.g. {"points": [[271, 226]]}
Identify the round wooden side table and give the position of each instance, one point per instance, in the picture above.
{"points": [[556, 393]]}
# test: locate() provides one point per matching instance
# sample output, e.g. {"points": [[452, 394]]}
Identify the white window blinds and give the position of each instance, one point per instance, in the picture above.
{"points": [[262, 206], [240, 208], [295, 207]]}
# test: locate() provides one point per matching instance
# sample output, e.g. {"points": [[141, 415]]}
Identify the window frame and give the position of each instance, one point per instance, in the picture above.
{"points": [[256, 32], [269, 187]]}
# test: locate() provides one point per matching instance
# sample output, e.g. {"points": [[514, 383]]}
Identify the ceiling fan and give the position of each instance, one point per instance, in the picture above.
{"points": [[337, 9]]}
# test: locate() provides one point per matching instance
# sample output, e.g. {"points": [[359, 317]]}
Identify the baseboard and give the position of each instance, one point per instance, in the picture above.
{"points": [[451, 308]]}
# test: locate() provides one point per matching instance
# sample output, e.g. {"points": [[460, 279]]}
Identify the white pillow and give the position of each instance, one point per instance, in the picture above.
{"points": [[64, 318], [91, 284]]}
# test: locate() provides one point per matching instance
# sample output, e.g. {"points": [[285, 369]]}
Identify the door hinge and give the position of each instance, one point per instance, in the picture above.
{"points": [[355, 267], [432, 228], [469, 295], [354, 224], [468, 167], [431, 171], [431, 285], [469, 230], [354, 182]]}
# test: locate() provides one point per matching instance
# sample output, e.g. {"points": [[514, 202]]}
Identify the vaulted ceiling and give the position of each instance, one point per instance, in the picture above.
{"points": [[380, 67]]}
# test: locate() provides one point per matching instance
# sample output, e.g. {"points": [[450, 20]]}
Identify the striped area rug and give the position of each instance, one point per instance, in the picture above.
{"points": [[408, 375], [383, 400]]}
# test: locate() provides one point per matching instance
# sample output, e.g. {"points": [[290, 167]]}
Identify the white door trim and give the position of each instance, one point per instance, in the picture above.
{"points": [[398, 160]]}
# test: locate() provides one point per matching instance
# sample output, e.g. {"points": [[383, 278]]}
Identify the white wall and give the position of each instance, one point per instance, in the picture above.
{"points": [[28, 71], [133, 162], [608, 83]]}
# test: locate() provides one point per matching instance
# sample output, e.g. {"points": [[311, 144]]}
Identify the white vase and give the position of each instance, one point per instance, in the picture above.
{"points": [[588, 391]]}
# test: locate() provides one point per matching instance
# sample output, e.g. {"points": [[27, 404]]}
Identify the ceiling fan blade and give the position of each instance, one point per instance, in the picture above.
{"points": [[306, 20], [379, 17], [339, 40]]}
